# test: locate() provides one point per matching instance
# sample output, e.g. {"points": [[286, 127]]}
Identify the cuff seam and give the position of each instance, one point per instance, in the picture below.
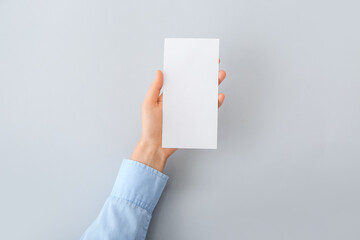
{"points": [[143, 205]]}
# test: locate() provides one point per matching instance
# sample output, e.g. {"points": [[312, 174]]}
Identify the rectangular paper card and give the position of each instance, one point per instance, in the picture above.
{"points": [[190, 93]]}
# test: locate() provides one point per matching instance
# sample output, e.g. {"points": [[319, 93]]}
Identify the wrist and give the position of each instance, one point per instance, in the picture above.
{"points": [[149, 154]]}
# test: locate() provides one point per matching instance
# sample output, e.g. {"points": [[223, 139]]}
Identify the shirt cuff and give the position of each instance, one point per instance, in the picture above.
{"points": [[139, 184]]}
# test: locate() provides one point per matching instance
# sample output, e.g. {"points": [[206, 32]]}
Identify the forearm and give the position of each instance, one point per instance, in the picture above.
{"points": [[150, 155], [127, 212]]}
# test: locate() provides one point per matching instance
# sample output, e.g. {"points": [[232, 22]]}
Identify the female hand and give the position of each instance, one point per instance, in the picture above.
{"points": [[148, 150]]}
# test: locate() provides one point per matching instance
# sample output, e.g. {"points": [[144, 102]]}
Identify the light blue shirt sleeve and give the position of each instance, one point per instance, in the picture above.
{"points": [[127, 212]]}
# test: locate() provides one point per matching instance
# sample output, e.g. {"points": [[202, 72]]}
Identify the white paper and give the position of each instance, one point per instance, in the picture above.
{"points": [[190, 100]]}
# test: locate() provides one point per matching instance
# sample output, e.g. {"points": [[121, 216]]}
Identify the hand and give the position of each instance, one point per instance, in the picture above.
{"points": [[148, 150]]}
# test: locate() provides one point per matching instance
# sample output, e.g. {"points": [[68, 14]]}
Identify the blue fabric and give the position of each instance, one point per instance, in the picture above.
{"points": [[127, 212]]}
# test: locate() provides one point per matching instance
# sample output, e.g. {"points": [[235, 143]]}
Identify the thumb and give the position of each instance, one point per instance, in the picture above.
{"points": [[155, 87]]}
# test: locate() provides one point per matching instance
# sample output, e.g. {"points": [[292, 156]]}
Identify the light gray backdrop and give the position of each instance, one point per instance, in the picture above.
{"points": [[73, 75]]}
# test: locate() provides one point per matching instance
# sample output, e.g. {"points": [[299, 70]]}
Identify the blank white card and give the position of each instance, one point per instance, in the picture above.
{"points": [[190, 100]]}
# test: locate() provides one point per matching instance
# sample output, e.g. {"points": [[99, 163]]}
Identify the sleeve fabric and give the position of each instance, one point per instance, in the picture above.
{"points": [[127, 212]]}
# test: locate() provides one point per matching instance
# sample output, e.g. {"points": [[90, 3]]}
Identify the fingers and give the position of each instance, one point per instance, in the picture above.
{"points": [[152, 94], [222, 75], [154, 90], [221, 99]]}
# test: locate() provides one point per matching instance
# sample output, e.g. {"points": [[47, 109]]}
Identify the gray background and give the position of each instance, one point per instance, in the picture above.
{"points": [[73, 75]]}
